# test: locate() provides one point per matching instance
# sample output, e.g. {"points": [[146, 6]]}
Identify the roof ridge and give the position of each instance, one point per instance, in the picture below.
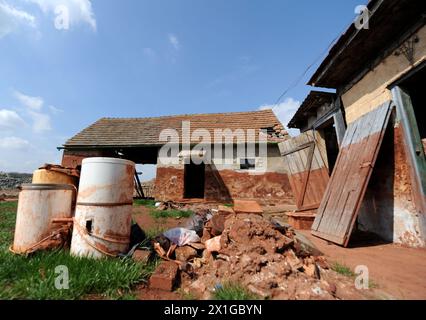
{"points": [[191, 115]]}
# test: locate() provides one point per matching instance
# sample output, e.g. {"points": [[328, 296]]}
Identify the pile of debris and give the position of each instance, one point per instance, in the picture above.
{"points": [[268, 257]]}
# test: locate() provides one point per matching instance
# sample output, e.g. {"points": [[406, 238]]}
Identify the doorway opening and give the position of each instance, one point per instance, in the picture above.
{"points": [[328, 132], [414, 87], [194, 177]]}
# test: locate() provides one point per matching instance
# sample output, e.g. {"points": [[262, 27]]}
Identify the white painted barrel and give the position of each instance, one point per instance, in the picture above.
{"points": [[103, 213], [38, 206]]}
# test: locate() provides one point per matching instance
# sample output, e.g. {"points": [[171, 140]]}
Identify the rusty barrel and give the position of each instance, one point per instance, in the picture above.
{"points": [[103, 213], [38, 206], [52, 176]]}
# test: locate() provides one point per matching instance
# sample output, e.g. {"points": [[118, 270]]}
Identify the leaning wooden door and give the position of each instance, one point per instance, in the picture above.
{"points": [[306, 161], [345, 191]]}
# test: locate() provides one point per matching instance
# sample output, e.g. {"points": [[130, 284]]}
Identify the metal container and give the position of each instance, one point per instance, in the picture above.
{"points": [[103, 213], [53, 177], [38, 206]]}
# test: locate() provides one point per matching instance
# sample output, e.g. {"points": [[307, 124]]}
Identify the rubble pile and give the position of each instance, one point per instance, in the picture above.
{"points": [[267, 257]]}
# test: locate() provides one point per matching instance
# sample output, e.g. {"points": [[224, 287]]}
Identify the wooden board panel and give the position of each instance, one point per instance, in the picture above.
{"points": [[305, 157], [346, 188]]}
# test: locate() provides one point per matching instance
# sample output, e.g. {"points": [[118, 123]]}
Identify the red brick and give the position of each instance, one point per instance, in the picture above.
{"points": [[245, 206], [164, 277], [142, 255]]}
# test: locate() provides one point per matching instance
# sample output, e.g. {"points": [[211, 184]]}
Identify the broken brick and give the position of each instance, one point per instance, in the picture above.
{"points": [[245, 206], [142, 256], [164, 277]]}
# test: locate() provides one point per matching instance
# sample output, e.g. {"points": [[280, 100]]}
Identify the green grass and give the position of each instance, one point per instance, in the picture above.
{"points": [[342, 269], [232, 291], [145, 202], [171, 213], [229, 205], [33, 277]]}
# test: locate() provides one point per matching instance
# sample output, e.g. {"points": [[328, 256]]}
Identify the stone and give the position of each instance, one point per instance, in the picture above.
{"points": [[246, 206], [164, 277], [142, 255], [310, 270], [213, 245], [293, 260], [185, 253], [304, 247]]}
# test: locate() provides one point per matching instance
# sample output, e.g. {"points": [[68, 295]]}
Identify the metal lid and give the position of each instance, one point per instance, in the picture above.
{"points": [[107, 160], [46, 186]]}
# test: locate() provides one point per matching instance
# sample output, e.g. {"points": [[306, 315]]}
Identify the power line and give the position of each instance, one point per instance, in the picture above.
{"points": [[297, 80]]}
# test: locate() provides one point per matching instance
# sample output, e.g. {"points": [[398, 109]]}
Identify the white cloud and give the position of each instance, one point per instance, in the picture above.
{"points": [[12, 18], [13, 143], [79, 10], [41, 121], [55, 110], [10, 120], [33, 103], [284, 112], [174, 41]]}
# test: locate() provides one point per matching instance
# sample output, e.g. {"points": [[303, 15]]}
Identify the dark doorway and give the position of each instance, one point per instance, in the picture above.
{"points": [[194, 177], [414, 87], [331, 144]]}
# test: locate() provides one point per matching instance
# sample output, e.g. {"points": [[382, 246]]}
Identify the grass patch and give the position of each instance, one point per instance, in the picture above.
{"points": [[34, 277], [232, 291], [229, 205], [171, 213], [342, 269], [149, 203]]}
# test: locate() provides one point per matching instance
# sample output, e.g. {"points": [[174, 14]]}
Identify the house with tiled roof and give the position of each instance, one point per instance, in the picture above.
{"points": [[213, 157]]}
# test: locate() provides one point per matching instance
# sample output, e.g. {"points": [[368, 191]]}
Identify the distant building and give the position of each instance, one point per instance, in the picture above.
{"points": [[255, 176]]}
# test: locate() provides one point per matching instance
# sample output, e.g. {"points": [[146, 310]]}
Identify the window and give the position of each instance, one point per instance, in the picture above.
{"points": [[247, 163]]}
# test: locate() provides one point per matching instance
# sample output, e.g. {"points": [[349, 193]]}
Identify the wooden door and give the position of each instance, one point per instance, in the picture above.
{"points": [[355, 162], [306, 161]]}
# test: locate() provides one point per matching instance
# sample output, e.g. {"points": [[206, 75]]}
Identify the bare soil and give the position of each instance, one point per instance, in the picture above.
{"points": [[396, 270], [141, 215]]}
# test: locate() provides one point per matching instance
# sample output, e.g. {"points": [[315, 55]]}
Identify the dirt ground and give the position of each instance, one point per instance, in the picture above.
{"points": [[142, 217], [396, 270]]}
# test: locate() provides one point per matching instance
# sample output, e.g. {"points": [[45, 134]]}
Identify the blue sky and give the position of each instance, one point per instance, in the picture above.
{"points": [[133, 58]]}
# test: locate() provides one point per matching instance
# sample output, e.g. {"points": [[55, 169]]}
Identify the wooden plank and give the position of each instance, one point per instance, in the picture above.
{"points": [[345, 191]]}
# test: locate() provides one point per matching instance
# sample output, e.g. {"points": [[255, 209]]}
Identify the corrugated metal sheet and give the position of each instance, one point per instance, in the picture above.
{"points": [[306, 159], [345, 191]]}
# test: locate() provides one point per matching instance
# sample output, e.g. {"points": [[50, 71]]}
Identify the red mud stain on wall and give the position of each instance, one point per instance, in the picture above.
{"points": [[269, 187], [225, 185], [402, 185], [169, 184]]}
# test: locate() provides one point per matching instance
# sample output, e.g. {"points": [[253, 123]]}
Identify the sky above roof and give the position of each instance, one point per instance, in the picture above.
{"points": [[128, 58]]}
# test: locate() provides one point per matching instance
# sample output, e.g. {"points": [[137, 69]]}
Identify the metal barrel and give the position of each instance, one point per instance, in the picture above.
{"points": [[38, 206], [103, 213]]}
